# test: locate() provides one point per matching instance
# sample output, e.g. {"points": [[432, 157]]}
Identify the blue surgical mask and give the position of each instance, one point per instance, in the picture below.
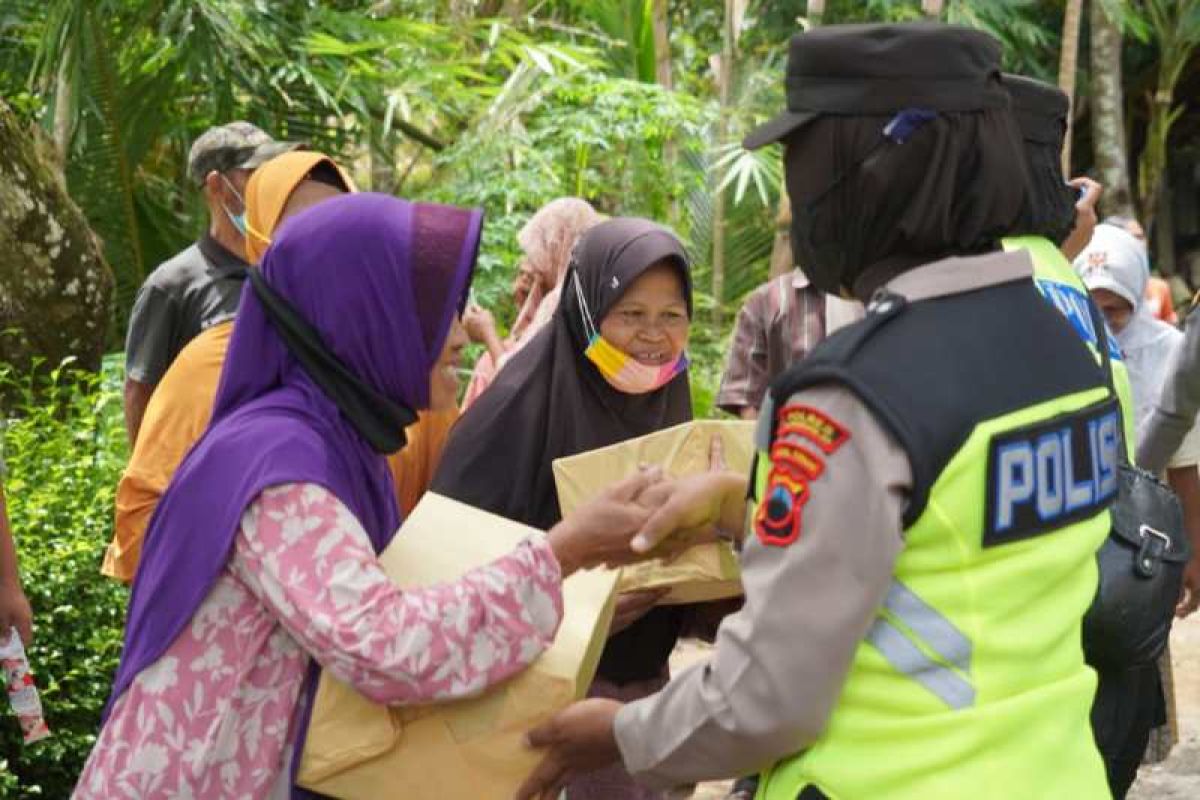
{"points": [[238, 220]]}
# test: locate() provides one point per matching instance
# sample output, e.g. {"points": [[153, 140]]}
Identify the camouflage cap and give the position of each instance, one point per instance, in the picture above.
{"points": [[235, 145]]}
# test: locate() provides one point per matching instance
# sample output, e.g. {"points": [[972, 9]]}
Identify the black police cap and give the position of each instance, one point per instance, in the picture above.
{"points": [[858, 70]]}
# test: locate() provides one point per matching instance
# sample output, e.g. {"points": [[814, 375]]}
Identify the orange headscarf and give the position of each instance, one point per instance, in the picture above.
{"points": [[268, 191], [179, 410]]}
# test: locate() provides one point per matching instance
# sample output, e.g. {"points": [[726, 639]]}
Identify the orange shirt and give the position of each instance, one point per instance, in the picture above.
{"points": [[178, 414], [1158, 298], [413, 467]]}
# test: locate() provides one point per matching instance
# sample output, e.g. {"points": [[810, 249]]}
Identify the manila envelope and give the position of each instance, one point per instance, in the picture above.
{"points": [[701, 573], [467, 748]]}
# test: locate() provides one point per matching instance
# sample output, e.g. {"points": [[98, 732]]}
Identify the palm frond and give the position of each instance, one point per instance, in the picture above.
{"points": [[99, 171]]}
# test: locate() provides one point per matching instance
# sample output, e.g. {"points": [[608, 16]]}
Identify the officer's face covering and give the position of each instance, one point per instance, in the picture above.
{"points": [[821, 255], [883, 194]]}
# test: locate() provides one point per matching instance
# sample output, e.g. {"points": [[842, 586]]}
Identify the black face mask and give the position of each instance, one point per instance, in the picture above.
{"points": [[376, 418], [826, 262], [823, 263], [823, 260]]}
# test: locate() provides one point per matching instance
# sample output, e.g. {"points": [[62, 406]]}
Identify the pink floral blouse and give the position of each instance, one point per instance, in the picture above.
{"points": [[214, 716]]}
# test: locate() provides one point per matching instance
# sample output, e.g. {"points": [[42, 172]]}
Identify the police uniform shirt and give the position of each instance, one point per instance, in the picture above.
{"points": [[779, 664], [1175, 413]]}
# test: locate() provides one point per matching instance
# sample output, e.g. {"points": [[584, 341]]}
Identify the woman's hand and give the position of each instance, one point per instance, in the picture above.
{"points": [[632, 606], [480, 326], [479, 323], [578, 739], [600, 531]]}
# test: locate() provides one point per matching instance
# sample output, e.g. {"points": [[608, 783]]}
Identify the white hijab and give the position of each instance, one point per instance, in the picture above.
{"points": [[1117, 261]]}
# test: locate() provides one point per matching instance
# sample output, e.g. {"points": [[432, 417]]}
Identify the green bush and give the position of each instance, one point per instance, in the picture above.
{"points": [[65, 447]]}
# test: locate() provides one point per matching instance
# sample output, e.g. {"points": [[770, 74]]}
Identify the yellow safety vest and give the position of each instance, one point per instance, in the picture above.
{"points": [[971, 682]]}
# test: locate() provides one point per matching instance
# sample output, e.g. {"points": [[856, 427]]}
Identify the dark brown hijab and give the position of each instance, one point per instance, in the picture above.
{"points": [[549, 401]]}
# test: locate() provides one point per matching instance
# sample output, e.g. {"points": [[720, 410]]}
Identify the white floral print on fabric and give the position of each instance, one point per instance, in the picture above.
{"points": [[213, 716]]}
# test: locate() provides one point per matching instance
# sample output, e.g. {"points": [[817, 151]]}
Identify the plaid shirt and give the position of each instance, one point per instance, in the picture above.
{"points": [[780, 323]]}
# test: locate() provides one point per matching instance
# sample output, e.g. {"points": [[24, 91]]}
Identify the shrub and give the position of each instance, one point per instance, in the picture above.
{"points": [[65, 448]]}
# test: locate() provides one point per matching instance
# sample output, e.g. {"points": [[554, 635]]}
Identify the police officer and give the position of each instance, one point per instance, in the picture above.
{"points": [[1130, 701], [932, 483], [1058, 223]]}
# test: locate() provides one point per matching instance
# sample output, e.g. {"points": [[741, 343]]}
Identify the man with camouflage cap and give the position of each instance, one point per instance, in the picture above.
{"points": [[201, 285]]}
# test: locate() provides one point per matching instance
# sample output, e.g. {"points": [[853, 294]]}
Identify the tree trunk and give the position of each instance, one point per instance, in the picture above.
{"points": [[724, 86], [1067, 66], [1108, 118], [1176, 27], [382, 168], [662, 45], [1163, 237], [55, 288], [1153, 161], [814, 12], [63, 91], [662, 73], [781, 252], [782, 259]]}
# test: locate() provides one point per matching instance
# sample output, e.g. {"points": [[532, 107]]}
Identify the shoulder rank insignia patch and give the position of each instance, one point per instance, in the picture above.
{"points": [[814, 425], [794, 463]]}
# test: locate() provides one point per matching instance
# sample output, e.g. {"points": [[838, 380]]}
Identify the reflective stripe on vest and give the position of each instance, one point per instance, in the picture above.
{"points": [[950, 648]]}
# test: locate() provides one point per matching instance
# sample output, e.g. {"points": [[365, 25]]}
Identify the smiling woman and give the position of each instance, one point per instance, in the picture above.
{"points": [[610, 366], [626, 301], [640, 346]]}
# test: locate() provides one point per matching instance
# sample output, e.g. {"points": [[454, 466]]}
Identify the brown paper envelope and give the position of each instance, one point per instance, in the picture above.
{"points": [[701, 573], [469, 748]]}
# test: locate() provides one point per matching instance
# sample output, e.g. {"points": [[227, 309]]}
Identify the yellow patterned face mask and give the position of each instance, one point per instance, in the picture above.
{"points": [[622, 371]]}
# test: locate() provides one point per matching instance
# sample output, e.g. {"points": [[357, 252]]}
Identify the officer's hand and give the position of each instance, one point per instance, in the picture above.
{"points": [[578, 739], [696, 503], [1189, 595]]}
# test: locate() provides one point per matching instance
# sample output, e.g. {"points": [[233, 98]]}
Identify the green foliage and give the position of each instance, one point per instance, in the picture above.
{"points": [[628, 26], [65, 448], [580, 134], [129, 85]]}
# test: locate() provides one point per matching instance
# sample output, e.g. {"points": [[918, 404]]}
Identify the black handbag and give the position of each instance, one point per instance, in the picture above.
{"points": [[1141, 563]]}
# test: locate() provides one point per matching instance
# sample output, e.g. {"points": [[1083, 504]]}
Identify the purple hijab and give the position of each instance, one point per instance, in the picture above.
{"points": [[380, 279]]}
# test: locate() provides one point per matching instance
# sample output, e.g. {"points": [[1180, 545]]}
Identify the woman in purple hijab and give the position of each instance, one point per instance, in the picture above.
{"points": [[259, 567]]}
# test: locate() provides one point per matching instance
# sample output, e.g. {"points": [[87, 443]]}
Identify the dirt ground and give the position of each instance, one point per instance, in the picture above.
{"points": [[1178, 778]]}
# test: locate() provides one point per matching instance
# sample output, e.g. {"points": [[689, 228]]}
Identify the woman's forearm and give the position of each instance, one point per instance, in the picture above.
{"points": [[9, 573]]}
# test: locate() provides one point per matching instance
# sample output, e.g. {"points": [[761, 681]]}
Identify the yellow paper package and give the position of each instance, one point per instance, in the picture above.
{"points": [[702, 573], [360, 750]]}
